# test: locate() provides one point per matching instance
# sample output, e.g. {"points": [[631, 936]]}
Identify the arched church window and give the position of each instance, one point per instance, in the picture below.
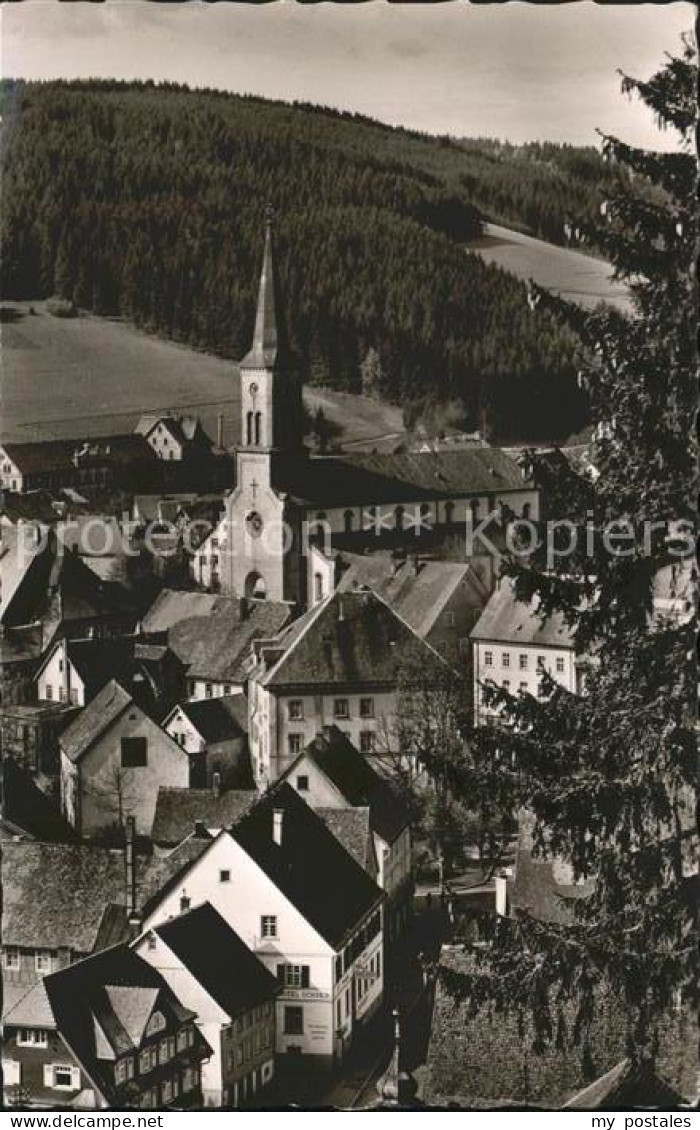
{"points": [[349, 519], [399, 515], [249, 428], [425, 515], [449, 513], [475, 509], [258, 428], [527, 511]]}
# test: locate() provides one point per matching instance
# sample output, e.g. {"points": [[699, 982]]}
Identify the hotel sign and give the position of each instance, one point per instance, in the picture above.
{"points": [[305, 995]]}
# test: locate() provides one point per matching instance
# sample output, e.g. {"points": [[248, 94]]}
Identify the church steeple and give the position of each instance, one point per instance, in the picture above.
{"points": [[263, 353], [271, 406]]}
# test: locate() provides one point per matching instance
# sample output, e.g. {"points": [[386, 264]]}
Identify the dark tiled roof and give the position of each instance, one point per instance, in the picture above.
{"points": [[164, 870], [542, 887], [102, 1005], [171, 606], [376, 479], [359, 784], [57, 454], [310, 866], [218, 647], [510, 620], [349, 638], [178, 810], [214, 954], [218, 719], [351, 826], [57, 894], [417, 590], [98, 716]]}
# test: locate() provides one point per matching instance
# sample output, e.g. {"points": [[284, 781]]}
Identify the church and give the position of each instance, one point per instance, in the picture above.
{"points": [[290, 513]]}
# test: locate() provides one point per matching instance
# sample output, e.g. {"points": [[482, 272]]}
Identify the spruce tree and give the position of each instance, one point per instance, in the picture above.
{"points": [[608, 776]]}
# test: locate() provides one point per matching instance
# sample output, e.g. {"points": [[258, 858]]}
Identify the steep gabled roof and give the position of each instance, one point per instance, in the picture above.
{"points": [[217, 958], [58, 895], [102, 1005], [218, 719], [310, 867], [171, 606], [359, 784], [264, 352], [99, 714], [509, 620], [350, 638], [417, 590]]}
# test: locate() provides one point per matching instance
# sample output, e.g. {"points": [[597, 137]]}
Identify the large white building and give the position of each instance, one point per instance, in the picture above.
{"points": [[338, 664], [513, 645], [308, 911]]}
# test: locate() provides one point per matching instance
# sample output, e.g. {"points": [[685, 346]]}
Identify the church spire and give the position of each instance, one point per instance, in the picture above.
{"points": [[264, 352]]}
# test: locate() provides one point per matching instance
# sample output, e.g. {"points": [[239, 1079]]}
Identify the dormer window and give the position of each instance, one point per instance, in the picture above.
{"points": [[155, 1024]]}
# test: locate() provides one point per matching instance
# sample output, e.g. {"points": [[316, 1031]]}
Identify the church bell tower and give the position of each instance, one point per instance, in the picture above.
{"points": [[263, 524]]}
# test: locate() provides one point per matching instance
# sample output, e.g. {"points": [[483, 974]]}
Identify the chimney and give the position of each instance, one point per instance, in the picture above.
{"points": [[220, 430], [132, 913], [216, 785], [277, 817], [200, 829]]}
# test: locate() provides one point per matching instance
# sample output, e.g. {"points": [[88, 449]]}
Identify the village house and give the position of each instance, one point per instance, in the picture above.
{"points": [[114, 758], [283, 497], [38, 1068], [134, 1043], [338, 664], [104, 461], [213, 636], [305, 908], [61, 902], [74, 671], [232, 994], [331, 774], [216, 728], [440, 600], [513, 645], [174, 437]]}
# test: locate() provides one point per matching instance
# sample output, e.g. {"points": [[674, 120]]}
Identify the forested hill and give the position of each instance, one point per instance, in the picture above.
{"points": [[147, 201]]}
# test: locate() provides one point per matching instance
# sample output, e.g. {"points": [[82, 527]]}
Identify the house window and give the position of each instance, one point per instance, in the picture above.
{"points": [[33, 1037], [303, 784], [505, 658], [399, 517], [293, 976], [366, 741], [268, 926], [74, 696], [49, 692], [522, 662], [293, 1020], [295, 743], [225, 876], [145, 1062], [560, 666], [449, 513], [488, 659], [208, 690], [450, 619], [152, 941], [366, 708], [11, 958], [42, 961], [506, 685], [134, 752], [64, 1078], [522, 688], [166, 1091], [348, 519], [341, 708], [296, 710], [318, 586]]}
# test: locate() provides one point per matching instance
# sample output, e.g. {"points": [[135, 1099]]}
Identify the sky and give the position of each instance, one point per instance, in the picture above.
{"points": [[515, 71]]}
